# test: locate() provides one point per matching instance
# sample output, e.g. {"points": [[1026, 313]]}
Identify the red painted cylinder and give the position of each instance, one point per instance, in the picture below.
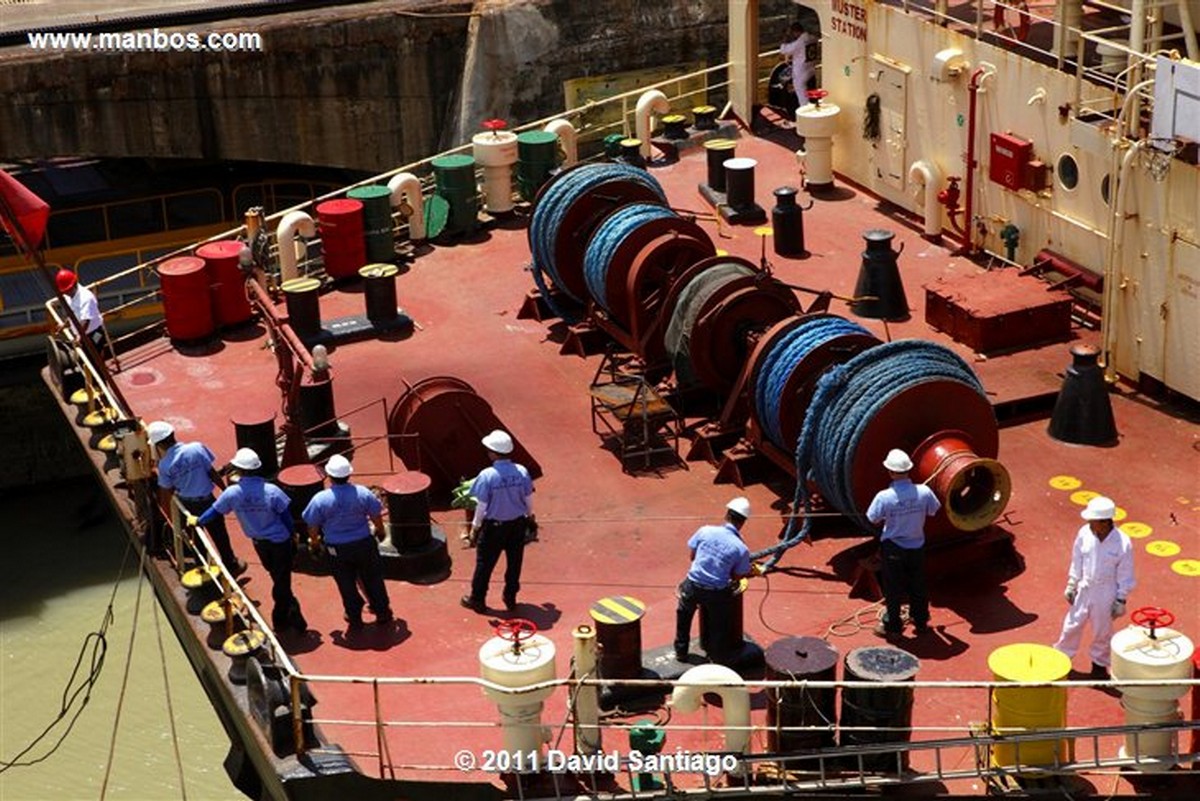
{"points": [[973, 490], [230, 305], [186, 302], [342, 242]]}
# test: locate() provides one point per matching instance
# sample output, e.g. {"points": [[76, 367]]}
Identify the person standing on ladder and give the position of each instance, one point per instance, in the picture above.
{"points": [[264, 512], [1098, 582], [902, 509], [503, 495], [185, 469], [343, 515]]}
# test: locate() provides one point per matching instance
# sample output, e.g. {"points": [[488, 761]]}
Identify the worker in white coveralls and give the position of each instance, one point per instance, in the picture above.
{"points": [[1098, 583]]}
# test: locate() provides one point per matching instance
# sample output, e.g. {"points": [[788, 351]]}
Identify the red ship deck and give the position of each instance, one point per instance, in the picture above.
{"points": [[604, 531]]}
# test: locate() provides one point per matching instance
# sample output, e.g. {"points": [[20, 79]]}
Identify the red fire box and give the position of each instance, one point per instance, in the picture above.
{"points": [[1010, 161]]}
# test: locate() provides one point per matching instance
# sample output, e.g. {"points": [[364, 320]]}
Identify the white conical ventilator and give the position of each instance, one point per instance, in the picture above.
{"points": [[519, 657], [1150, 650]]}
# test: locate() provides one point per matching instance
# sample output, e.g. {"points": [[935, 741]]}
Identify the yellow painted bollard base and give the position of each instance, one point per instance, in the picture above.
{"points": [[1017, 710]]}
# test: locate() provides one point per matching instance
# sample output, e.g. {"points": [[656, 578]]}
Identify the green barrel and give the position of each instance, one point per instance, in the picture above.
{"points": [[612, 145], [377, 221], [455, 177], [537, 156]]}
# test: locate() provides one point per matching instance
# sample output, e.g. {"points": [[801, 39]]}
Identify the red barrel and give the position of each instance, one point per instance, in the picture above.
{"points": [[186, 302], [229, 302], [342, 240]]}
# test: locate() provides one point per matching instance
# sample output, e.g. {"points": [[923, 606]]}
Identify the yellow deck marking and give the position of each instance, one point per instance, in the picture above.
{"points": [[1065, 483], [1186, 567], [722, 252], [1120, 514], [1083, 496], [1137, 530], [1162, 548], [617, 609]]}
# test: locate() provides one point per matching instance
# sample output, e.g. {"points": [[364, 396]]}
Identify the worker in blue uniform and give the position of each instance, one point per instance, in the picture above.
{"points": [[719, 561], [263, 510], [902, 509], [503, 494], [342, 516], [185, 470]]}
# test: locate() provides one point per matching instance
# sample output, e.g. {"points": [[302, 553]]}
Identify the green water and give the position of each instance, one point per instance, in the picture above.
{"points": [[61, 559]]}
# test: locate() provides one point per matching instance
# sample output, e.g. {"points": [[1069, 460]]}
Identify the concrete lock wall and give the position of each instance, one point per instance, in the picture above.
{"points": [[361, 87]]}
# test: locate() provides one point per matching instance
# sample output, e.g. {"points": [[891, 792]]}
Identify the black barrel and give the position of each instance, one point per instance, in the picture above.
{"points": [[721, 641], [674, 126], [787, 223], [300, 482], [798, 659], [618, 621], [379, 288], [717, 152], [739, 182], [303, 306], [317, 415], [255, 429], [408, 510], [873, 715], [706, 118]]}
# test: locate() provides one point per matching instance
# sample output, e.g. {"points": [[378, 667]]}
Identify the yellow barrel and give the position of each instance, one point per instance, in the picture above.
{"points": [[1017, 710]]}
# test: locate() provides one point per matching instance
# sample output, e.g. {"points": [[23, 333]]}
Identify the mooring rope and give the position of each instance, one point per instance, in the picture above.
{"points": [[615, 229], [552, 207], [690, 302], [847, 398]]}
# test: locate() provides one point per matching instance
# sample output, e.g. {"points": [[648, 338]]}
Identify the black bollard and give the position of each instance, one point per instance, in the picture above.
{"points": [[787, 223], [1083, 411]]}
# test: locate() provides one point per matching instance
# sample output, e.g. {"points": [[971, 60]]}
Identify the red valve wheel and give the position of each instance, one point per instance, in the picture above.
{"points": [[1152, 617], [495, 124], [816, 95], [516, 630]]}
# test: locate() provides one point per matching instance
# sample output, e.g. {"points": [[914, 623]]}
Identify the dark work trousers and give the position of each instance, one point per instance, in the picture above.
{"points": [[359, 561], [497, 538], [216, 529], [904, 572], [719, 606], [277, 558]]}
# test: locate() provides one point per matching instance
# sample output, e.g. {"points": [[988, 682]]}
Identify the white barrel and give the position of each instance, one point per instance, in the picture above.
{"points": [[520, 714], [1136, 655], [496, 153]]}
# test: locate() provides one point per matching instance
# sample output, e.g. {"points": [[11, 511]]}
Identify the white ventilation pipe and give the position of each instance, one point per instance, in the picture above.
{"points": [[586, 698], [567, 137], [650, 103], [290, 249], [929, 177], [405, 188], [735, 700]]}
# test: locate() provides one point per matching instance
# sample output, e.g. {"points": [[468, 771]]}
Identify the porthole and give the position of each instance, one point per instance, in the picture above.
{"points": [[1067, 171], [1106, 189]]}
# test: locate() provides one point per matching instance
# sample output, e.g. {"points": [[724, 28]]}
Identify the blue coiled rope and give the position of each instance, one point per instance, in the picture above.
{"points": [[847, 398], [552, 207], [781, 360], [608, 237]]}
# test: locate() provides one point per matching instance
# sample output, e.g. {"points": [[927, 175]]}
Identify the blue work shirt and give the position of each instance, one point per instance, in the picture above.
{"points": [[261, 508], [185, 468], [504, 488], [341, 512], [720, 554], [902, 508]]}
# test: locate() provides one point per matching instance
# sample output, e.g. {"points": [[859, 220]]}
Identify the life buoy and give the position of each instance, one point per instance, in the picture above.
{"points": [[1024, 19]]}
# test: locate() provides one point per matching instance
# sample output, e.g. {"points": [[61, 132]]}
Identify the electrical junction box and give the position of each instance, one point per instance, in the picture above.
{"points": [[1009, 163]]}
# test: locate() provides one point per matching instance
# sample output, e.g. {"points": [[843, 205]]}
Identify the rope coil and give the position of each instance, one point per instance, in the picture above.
{"points": [[691, 301], [615, 229]]}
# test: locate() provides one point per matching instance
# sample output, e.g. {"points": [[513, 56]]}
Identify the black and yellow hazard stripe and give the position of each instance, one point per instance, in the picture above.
{"points": [[617, 609]]}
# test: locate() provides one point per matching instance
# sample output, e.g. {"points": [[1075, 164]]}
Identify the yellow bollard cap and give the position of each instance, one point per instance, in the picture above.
{"points": [[1029, 662]]}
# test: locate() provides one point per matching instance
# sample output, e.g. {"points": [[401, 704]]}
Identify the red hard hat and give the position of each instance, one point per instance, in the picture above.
{"points": [[66, 280]]}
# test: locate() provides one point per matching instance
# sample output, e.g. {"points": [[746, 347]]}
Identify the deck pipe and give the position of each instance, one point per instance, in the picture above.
{"points": [[981, 74], [405, 188], [652, 102], [291, 224], [568, 137], [586, 704], [927, 174], [735, 700]]}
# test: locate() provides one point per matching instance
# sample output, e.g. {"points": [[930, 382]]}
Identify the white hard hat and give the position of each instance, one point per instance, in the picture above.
{"points": [[338, 466], [158, 431], [739, 506], [1099, 508], [498, 442], [246, 459], [897, 461]]}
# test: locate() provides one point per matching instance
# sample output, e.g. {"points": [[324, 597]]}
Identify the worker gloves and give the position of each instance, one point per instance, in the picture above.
{"points": [[191, 520], [757, 569], [1118, 607], [1070, 594]]}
